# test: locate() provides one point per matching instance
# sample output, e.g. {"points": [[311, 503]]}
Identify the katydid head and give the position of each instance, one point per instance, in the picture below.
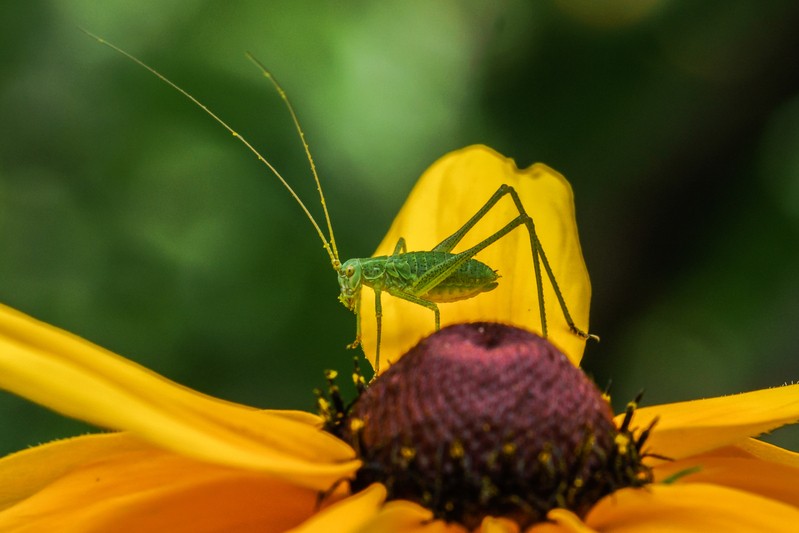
{"points": [[349, 280]]}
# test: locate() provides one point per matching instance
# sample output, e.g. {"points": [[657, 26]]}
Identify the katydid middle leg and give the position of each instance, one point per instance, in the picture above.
{"points": [[397, 293]]}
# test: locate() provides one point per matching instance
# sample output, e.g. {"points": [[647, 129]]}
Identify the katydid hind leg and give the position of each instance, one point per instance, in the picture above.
{"points": [[450, 242], [441, 271], [535, 246], [539, 254], [566, 315], [436, 275], [413, 298]]}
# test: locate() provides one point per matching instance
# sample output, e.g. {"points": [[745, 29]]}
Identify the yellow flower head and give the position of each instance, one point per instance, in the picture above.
{"points": [[183, 461]]}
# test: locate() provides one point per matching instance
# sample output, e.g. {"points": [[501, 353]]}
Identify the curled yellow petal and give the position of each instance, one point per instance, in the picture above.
{"points": [[402, 516], [690, 507], [79, 379], [28, 471], [561, 521], [768, 452], [735, 468], [498, 525], [447, 195], [130, 486], [697, 426], [348, 515]]}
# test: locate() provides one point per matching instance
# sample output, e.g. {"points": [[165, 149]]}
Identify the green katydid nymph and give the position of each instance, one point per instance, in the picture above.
{"points": [[424, 278]]}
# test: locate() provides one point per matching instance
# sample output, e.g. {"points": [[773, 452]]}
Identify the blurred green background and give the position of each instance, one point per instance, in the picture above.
{"points": [[130, 218]]}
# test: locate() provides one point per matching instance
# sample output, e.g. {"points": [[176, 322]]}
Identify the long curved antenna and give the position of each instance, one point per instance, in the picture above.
{"points": [[268, 75], [331, 250]]}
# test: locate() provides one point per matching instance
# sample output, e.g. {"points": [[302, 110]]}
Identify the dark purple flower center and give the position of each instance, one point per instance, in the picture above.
{"points": [[489, 420]]}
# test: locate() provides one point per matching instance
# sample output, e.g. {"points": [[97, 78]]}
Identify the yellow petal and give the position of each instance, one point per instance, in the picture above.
{"points": [[690, 507], [561, 521], [348, 515], [755, 449], [733, 467], [446, 196], [129, 486], [28, 471], [768, 452], [81, 380], [401, 516], [694, 427], [498, 525]]}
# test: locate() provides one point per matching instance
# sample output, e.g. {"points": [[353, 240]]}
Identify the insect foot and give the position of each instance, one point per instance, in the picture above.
{"points": [[582, 334], [539, 434], [354, 344]]}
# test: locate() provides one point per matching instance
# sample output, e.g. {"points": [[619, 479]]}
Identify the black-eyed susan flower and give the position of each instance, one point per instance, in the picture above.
{"points": [[484, 426]]}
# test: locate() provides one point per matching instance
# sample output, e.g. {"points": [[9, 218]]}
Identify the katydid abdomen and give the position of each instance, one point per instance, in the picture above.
{"points": [[399, 272]]}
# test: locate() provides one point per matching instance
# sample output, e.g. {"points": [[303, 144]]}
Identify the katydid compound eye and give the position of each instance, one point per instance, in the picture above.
{"points": [[350, 271]]}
